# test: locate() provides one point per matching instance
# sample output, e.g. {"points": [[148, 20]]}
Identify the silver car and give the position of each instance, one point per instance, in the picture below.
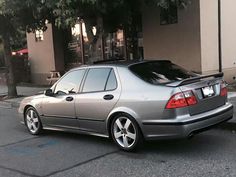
{"points": [[130, 102]]}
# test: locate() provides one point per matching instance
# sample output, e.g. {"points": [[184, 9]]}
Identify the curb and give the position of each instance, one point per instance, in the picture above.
{"points": [[6, 105], [231, 95], [10, 104]]}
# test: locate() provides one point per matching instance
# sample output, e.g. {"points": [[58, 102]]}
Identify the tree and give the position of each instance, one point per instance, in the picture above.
{"points": [[15, 16], [105, 15]]}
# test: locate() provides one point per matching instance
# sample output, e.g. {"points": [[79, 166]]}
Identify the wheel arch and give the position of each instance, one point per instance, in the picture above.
{"points": [[119, 111], [27, 107]]}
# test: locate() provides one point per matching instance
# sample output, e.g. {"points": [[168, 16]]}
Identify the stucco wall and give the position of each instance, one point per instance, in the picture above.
{"points": [[46, 55], [209, 35], [229, 38], [41, 56], [178, 42]]}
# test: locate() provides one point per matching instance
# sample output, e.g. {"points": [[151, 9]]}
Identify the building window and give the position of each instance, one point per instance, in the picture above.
{"points": [[39, 35], [169, 14]]}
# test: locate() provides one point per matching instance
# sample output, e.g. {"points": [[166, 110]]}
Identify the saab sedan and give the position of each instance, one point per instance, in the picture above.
{"points": [[130, 101]]}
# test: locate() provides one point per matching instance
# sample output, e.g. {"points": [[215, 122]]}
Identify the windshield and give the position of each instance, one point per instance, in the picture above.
{"points": [[160, 72]]}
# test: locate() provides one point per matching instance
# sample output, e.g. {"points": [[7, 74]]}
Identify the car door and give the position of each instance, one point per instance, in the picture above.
{"points": [[59, 109], [100, 92]]}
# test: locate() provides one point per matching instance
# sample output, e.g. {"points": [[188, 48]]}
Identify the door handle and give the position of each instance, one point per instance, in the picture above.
{"points": [[69, 98], [108, 97]]}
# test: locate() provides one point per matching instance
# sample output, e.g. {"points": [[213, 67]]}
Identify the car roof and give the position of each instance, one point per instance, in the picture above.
{"points": [[125, 63], [120, 63]]}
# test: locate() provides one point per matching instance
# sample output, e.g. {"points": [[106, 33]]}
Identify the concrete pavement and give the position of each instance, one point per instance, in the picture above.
{"points": [[59, 154]]}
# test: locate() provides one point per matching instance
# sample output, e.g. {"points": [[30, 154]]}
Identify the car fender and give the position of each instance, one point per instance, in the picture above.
{"points": [[35, 102], [123, 110]]}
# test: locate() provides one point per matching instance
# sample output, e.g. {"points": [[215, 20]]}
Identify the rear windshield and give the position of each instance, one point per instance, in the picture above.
{"points": [[160, 72]]}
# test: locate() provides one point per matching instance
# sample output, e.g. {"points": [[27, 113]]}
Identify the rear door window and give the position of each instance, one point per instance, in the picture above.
{"points": [[96, 79], [160, 72]]}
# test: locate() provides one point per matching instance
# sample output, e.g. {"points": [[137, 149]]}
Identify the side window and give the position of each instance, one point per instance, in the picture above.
{"points": [[70, 82], [112, 82], [96, 80]]}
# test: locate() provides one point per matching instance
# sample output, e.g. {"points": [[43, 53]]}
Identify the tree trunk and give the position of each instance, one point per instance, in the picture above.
{"points": [[95, 41], [12, 92], [134, 42]]}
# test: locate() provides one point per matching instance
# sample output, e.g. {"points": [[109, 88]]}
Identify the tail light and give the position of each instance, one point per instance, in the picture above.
{"points": [[223, 89], [182, 99]]}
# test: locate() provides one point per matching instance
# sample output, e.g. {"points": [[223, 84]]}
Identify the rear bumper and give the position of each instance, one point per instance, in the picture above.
{"points": [[159, 129]]}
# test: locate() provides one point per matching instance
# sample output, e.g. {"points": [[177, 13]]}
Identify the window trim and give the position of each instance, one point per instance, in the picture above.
{"points": [[84, 80], [108, 79]]}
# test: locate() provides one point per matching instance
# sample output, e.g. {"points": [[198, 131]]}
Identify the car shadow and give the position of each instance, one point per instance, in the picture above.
{"points": [[198, 146], [205, 142], [231, 126], [75, 136]]}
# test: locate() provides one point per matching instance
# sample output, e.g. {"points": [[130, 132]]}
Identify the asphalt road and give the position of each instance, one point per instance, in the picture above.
{"points": [[212, 153]]}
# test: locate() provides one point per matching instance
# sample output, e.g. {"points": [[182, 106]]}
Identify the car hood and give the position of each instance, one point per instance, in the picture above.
{"points": [[31, 98]]}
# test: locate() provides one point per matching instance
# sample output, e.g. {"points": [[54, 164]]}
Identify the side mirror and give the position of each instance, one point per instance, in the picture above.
{"points": [[49, 92]]}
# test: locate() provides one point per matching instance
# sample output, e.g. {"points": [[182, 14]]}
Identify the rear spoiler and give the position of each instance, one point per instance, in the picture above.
{"points": [[194, 79]]}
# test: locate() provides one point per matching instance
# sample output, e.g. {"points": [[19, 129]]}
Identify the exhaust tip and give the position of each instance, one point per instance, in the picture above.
{"points": [[191, 135]]}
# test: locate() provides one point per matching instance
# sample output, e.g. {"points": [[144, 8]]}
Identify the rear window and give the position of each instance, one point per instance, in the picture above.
{"points": [[160, 72]]}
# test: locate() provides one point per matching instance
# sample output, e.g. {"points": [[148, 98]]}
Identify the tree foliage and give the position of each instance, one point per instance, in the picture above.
{"points": [[30, 15]]}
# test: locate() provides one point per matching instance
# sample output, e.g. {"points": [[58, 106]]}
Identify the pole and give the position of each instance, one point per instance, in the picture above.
{"points": [[103, 46], [81, 41], [219, 36]]}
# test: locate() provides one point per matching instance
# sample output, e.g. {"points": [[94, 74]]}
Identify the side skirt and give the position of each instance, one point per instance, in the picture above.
{"points": [[73, 130]]}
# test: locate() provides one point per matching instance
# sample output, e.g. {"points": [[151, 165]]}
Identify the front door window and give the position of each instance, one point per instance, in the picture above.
{"points": [[70, 83]]}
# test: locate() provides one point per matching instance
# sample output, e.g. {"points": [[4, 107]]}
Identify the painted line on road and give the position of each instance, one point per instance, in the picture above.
{"points": [[82, 163], [21, 141], [18, 171]]}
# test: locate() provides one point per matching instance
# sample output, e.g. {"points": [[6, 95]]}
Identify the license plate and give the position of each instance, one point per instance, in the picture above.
{"points": [[208, 91]]}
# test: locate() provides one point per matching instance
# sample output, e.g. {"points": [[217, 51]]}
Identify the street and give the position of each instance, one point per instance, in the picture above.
{"points": [[60, 154]]}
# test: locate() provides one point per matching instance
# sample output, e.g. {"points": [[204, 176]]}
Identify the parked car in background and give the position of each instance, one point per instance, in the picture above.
{"points": [[130, 102]]}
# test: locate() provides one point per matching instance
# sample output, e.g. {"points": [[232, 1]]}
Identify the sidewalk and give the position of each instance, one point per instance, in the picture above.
{"points": [[23, 91]]}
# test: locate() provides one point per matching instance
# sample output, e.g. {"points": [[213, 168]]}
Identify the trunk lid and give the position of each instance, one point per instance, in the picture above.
{"points": [[207, 92]]}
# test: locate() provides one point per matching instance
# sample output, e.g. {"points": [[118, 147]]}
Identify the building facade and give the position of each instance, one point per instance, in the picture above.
{"points": [[190, 39], [193, 42], [46, 54]]}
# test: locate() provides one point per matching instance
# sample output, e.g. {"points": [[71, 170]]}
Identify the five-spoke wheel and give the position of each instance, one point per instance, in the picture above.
{"points": [[32, 121], [125, 132]]}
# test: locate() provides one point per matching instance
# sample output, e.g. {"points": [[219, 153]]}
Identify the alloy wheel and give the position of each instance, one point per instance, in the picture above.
{"points": [[124, 132], [32, 121]]}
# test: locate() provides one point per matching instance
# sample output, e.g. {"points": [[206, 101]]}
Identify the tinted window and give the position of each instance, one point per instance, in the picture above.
{"points": [[111, 83], [160, 72], [96, 80], [69, 83]]}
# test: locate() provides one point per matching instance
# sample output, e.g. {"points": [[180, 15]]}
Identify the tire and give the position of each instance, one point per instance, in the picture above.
{"points": [[33, 121], [126, 132]]}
